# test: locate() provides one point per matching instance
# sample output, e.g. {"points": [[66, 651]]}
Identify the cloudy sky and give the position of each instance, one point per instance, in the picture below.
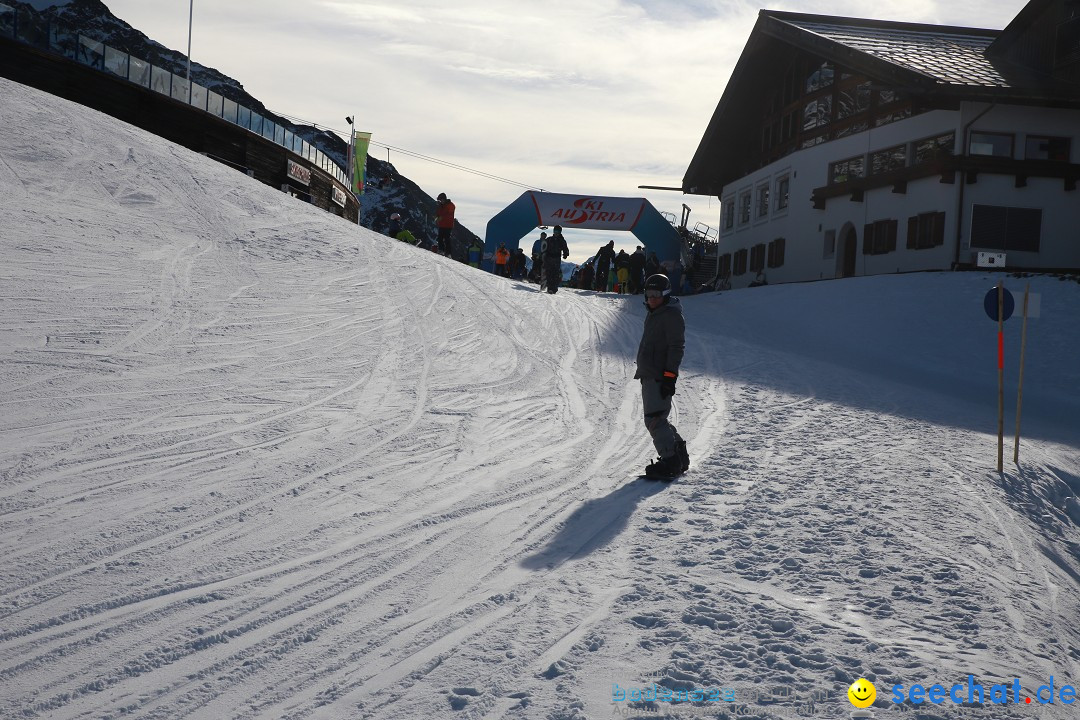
{"points": [[593, 97]]}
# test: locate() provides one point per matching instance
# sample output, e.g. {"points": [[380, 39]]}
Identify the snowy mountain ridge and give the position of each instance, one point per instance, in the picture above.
{"points": [[256, 462], [388, 191]]}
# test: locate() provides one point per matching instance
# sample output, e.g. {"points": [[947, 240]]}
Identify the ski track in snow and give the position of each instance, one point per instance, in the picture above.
{"points": [[259, 463]]}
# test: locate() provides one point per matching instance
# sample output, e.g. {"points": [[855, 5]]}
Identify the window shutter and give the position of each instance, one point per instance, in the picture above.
{"points": [[939, 229], [892, 235], [913, 232]]}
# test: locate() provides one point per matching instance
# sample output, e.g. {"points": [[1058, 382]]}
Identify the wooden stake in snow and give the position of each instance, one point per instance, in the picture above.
{"points": [[1020, 388]]}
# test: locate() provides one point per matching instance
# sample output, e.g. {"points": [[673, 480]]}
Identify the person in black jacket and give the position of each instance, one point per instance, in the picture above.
{"points": [[604, 257], [637, 271], [660, 353], [555, 251]]}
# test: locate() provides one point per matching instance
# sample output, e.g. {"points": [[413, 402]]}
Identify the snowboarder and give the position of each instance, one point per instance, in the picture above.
{"points": [[538, 258], [604, 258], [555, 251], [659, 355], [444, 221]]}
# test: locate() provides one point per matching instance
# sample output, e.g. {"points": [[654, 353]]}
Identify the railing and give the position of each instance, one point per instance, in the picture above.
{"points": [[21, 25]]}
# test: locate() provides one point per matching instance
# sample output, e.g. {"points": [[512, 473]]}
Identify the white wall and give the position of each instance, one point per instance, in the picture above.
{"points": [[804, 228]]}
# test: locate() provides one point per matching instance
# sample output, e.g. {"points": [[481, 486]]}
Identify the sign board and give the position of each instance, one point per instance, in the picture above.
{"points": [[990, 304], [587, 212], [299, 173], [991, 260], [338, 195]]}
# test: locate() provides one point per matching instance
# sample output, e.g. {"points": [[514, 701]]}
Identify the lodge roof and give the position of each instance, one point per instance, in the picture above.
{"points": [[940, 65], [947, 55]]}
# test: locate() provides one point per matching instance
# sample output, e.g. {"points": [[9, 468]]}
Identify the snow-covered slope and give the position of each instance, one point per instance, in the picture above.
{"points": [[258, 462]]}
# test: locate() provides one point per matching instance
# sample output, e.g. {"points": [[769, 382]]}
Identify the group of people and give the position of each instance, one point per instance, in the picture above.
{"points": [[621, 272], [444, 226]]}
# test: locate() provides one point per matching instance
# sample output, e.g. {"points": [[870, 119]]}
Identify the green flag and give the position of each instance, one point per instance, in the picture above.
{"points": [[360, 147]]}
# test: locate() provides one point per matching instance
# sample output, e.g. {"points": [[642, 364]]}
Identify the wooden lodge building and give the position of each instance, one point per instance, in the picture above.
{"points": [[846, 147]]}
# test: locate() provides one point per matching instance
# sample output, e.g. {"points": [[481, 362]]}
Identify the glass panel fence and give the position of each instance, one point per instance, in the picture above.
{"points": [[91, 52], [198, 96], [27, 27], [160, 79], [213, 103], [63, 41], [139, 71], [116, 61], [181, 88], [229, 113], [7, 21]]}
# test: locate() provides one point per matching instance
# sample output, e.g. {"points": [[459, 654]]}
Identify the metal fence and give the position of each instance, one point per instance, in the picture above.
{"points": [[24, 26]]}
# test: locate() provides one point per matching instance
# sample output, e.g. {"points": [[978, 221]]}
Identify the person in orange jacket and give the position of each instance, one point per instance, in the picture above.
{"points": [[502, 257], [444, 221]]}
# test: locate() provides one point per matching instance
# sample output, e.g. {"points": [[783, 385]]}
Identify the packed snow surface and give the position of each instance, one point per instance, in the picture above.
{"points": [[256, 462]]}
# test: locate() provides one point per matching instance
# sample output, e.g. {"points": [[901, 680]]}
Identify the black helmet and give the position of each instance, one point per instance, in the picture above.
{"points": [[658, 282]]}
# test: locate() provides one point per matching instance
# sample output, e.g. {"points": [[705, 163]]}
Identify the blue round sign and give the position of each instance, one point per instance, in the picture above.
{"points": [[990, 303]]}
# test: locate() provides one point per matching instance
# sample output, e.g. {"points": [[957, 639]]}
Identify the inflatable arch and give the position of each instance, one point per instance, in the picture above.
{"points": [[585, 212]]}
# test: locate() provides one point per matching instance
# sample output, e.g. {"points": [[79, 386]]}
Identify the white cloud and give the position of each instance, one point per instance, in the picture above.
{"points": [[596, 97]]}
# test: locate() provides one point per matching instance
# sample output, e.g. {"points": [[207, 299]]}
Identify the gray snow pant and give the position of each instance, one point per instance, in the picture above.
{"points": [[664, 435]]}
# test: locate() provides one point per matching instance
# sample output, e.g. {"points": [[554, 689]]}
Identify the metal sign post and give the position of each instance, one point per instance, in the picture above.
{"points": [[999, 305], [1001, 374], [1020, 390]]}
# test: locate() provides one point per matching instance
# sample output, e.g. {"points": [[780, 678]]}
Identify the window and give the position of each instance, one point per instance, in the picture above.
{"points": [[763, 201], [821, 76], [782, 185], [817, 113], [892, 158], [725, 265], [1005, 228], [926, 230], [740, 262], [729, 213], [853, 100], [879, 237], [993, 144], [757, 258], [846, 170], [776, 252], [1046, 148], [744, 207], [933, 148], [830, 245]]}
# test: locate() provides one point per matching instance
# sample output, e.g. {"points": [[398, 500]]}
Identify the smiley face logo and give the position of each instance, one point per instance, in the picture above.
{"points": [[862, 693]]}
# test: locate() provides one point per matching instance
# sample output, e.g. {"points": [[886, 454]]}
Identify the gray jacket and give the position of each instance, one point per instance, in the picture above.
{"points": [[662, 342]]}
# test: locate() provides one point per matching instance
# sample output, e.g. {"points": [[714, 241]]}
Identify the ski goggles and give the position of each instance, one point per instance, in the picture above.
{"points": [[654, 293]]}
